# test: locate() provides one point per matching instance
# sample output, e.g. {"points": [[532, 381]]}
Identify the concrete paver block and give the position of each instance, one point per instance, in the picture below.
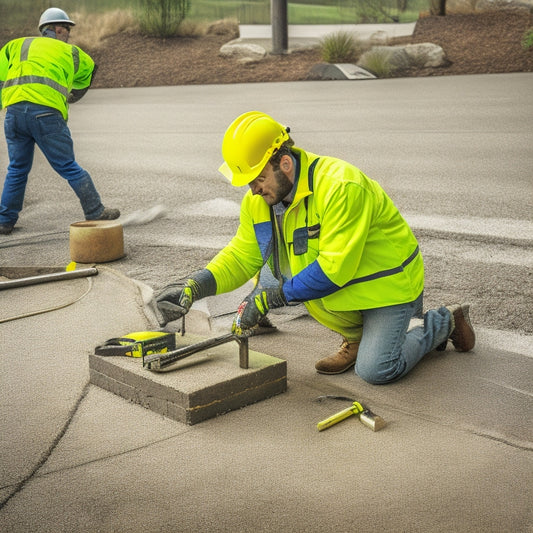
{"points": [[197, 388]]}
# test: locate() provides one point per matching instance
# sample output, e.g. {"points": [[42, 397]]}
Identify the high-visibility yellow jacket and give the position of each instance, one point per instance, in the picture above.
{"points": [[345, 241], [42, 70]]}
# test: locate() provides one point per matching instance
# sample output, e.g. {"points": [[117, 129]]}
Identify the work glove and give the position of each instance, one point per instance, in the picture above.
{"points": [[254, 307], [175, 300]]}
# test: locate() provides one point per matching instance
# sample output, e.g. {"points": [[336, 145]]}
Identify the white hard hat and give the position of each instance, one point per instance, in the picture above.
{"points": [[54, 15]]}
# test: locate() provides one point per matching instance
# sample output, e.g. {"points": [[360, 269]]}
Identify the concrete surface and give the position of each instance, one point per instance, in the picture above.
{"points": [[194, 389], [456, 453], [78, 458]]}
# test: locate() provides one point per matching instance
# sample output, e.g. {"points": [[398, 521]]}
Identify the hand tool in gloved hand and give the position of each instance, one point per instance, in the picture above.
{"points": [[255, 307], [176, 299], [366, 416], [159, 361]]}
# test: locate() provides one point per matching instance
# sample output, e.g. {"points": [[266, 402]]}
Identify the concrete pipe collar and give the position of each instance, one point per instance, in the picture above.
{"points": [[96, 241]]}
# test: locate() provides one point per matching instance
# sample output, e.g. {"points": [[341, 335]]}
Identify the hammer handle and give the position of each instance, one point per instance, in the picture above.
{"points": [[334, 419]]}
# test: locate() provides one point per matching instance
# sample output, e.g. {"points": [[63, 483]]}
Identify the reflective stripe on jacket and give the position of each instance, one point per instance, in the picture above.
{"points": [[345, 241], [42, 70]]}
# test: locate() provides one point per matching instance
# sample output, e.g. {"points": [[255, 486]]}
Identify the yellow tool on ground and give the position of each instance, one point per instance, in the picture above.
{"points": [[366, 416], [138, 344]]}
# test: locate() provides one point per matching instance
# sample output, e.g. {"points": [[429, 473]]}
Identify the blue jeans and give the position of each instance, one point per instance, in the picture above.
{"points": [[387, 351], [25, 125]]}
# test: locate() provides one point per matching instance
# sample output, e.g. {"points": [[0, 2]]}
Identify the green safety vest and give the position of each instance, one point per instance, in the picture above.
{"points": [[42, 70], [358, 252]]}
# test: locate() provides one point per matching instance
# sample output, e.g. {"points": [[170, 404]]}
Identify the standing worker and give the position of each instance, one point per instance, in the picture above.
{"points": [[334, 240], [39, 77]]}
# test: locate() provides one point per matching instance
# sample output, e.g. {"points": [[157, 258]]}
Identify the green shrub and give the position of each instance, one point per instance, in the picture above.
{"points": [[527, 39], [377, 61], [340, 47], [162, 18]]}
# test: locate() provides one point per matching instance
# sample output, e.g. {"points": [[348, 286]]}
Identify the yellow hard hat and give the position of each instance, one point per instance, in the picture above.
{"points": [[248, 144]]}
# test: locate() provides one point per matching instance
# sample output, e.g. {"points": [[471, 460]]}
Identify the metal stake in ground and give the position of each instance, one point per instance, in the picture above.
{"points": [[159, 361]]}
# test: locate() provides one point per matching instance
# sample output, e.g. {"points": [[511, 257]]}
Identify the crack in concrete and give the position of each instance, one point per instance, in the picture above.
{"points": [[44, 457]]}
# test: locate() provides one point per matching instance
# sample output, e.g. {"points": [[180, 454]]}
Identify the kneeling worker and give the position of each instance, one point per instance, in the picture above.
{"points": [[333, 240]]}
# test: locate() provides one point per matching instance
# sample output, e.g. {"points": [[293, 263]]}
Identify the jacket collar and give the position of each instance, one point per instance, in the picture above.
{"points": [[303, 187]]}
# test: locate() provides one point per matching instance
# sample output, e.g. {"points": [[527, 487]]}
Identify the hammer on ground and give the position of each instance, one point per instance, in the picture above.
{"points": [[366, 416]]}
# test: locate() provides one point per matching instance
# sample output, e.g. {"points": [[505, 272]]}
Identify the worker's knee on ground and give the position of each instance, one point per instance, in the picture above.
{"points": [[367, 375], [376, 375]]}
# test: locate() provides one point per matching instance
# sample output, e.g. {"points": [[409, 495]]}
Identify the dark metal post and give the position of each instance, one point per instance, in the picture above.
{"points": [[243, 352], [280, 26]]}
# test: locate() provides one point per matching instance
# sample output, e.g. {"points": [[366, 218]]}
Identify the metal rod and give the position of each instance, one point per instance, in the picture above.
{"points": [[44, 278], [160, 360], [243, 352]]}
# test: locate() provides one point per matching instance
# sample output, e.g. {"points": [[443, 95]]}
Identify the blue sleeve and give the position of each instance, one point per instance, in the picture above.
{"points": [[309, 284]]}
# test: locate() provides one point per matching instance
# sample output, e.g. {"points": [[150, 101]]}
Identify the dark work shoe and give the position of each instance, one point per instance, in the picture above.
{"points": [[340, 362], [109, 214], [6, 229], [462, 336]]}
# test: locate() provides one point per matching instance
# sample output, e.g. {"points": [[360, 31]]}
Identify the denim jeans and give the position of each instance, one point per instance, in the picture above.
{"points": [[388, 351], [25, 125]]}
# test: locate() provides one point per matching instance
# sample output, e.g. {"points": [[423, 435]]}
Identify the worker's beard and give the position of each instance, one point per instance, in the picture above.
{"points": [[284, 185]]}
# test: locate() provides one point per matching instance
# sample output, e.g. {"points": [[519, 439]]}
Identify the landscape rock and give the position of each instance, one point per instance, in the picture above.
{"points": [[242, 51], [425, 55], [224, 27], [395, 56], [379, 37], [401, 57], [341, 71], [472, 6], [493, 5], [460, 6]]}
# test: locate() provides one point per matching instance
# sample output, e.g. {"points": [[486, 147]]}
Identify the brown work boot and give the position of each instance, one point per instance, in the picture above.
{"points": [[462, 336], [341, 361]]}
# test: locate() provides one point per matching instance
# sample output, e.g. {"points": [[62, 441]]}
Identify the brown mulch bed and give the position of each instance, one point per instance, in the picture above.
{"points": [[136, 61], [484, 43], [479, 43], [474, 44]]}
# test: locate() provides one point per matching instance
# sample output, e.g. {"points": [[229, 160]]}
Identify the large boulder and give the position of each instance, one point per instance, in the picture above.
{"points": [[471, 6], [459, 6], [494, 5], [410, 55], [395, 56], [243, 52], [425, 55]]}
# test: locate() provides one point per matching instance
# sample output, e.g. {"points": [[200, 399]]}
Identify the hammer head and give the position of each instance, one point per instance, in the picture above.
{"points": [[369, 419]]}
